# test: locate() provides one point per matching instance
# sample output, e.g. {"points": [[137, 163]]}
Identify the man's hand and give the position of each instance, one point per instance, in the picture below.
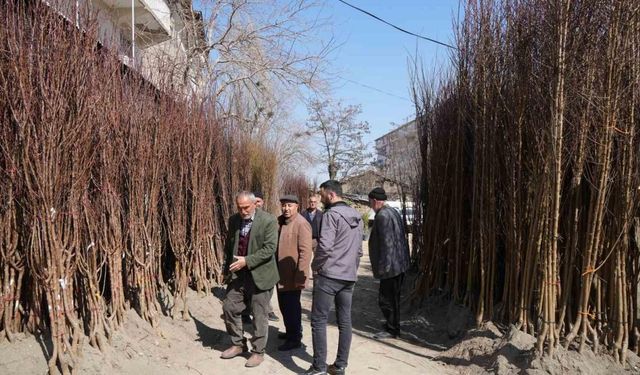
{"points": [[239, 264], [300, 280], [300, 285]]}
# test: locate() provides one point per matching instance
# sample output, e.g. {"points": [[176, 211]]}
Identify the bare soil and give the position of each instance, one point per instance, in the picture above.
{"points": [[437, 338]]}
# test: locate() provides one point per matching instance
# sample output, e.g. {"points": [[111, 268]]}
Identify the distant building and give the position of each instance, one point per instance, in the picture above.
{"points": [[359, 186], [397, 166], [398, 156], [396, 144], [162, 39]]}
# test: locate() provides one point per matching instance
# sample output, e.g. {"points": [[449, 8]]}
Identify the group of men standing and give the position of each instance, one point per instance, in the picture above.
{"points": [[263, 251]]}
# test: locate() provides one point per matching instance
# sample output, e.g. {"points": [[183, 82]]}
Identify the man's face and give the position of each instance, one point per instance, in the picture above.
{"points": [[246, 208], [289, 209], [325, 196], [259, 202], [313, 203], [375, 204]]}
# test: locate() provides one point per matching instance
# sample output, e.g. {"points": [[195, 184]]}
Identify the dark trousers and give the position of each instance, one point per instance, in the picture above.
{"points": [[389, 301], [325, 292], [242, 292], [289, 302]]}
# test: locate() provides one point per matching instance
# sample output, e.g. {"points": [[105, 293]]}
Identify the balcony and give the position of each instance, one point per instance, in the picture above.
{"points": [[152, 19]]}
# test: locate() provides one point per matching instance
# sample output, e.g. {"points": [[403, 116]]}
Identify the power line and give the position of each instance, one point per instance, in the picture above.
{"points": [[374, 89], [397, 27]]}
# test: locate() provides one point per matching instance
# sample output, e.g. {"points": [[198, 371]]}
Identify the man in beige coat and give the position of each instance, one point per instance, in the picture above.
{"points": [[294, 258]]}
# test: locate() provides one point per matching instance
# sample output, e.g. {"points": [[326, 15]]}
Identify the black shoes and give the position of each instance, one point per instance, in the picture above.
{"points": [[283, 336], [385, 335], [335, 370], [273, 317], [313, 371], [290, 345]]}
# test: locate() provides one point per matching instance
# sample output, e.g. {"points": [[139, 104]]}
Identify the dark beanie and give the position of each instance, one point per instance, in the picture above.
{"points": [[258, 194], [378, 194]]}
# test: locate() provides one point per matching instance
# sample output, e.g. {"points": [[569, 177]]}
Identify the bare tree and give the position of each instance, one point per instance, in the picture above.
{"points": [[114, 197], [529, 174], [339, 134], [260, 54], [262, 46]]}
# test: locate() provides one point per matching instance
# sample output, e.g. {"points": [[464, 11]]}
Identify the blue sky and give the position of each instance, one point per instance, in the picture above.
{"points": [[374, 54]]}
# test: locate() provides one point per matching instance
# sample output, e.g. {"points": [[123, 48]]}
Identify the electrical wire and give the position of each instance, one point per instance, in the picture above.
{"points": [[374, 89], [397, 27]]}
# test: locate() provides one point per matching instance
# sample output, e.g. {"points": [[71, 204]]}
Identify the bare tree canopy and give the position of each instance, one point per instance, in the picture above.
{"points": [[339, 133], [256, 45], [260, 55]]}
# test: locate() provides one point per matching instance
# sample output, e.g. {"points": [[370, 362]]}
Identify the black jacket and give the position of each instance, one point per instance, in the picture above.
{"points": [[315, 224], [388, 246]]}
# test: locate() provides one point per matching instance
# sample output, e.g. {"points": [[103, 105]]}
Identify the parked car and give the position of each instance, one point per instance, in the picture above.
{"points": [[397, 205]]}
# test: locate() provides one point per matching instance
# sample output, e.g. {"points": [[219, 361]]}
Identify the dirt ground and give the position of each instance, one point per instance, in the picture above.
{"points": [[437, 338], [194, 347]]}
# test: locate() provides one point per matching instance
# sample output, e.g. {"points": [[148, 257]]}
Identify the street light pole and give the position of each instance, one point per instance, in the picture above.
{"points": [[133, 32]]}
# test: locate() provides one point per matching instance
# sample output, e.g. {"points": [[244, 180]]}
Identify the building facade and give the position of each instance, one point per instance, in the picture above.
{"points": [[164, 40], [398, 156], [359, 185]]}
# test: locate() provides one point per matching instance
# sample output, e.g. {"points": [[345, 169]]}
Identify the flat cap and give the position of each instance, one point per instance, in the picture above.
{"points": [[289, 198]]}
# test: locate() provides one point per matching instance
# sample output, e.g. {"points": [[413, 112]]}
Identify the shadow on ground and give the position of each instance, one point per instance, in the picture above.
{"points": [[211, 337], [286, 358], [521, 359], [219, 341], [431, 325], [436, 324]]}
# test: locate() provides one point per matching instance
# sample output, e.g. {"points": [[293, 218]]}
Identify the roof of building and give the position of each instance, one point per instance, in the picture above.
{"points": [[399, 128]]}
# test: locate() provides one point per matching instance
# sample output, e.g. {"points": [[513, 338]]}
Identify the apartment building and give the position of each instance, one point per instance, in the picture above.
{"points": [[164, 40], [398, 154]]}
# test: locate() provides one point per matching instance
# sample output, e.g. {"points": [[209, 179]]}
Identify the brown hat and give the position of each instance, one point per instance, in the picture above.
{"points": [[289, 198], [378, 194]]}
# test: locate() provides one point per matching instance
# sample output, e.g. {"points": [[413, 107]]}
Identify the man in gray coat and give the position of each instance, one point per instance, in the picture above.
{"points": [[335, 269], [390, 259]]}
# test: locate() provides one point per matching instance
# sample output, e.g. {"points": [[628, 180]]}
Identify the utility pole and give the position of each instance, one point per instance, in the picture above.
{"points": [[133, 32]]}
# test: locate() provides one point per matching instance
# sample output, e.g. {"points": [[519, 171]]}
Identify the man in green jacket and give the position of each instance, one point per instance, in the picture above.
{"points": [[249, 256]]}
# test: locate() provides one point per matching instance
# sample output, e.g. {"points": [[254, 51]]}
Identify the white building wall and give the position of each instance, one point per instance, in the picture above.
{"points": [[158, 46]]}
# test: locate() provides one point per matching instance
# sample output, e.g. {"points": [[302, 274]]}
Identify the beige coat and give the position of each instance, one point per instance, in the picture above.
{"points": [[294, 252]]}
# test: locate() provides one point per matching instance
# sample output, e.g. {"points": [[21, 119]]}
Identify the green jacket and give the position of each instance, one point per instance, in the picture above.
{"points": [[263, 243]]}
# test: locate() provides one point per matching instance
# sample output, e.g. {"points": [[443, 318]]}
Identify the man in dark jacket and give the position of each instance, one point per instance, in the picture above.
{"points": [[249, 256], [314, 216], [335, 268], [390, 259]]}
